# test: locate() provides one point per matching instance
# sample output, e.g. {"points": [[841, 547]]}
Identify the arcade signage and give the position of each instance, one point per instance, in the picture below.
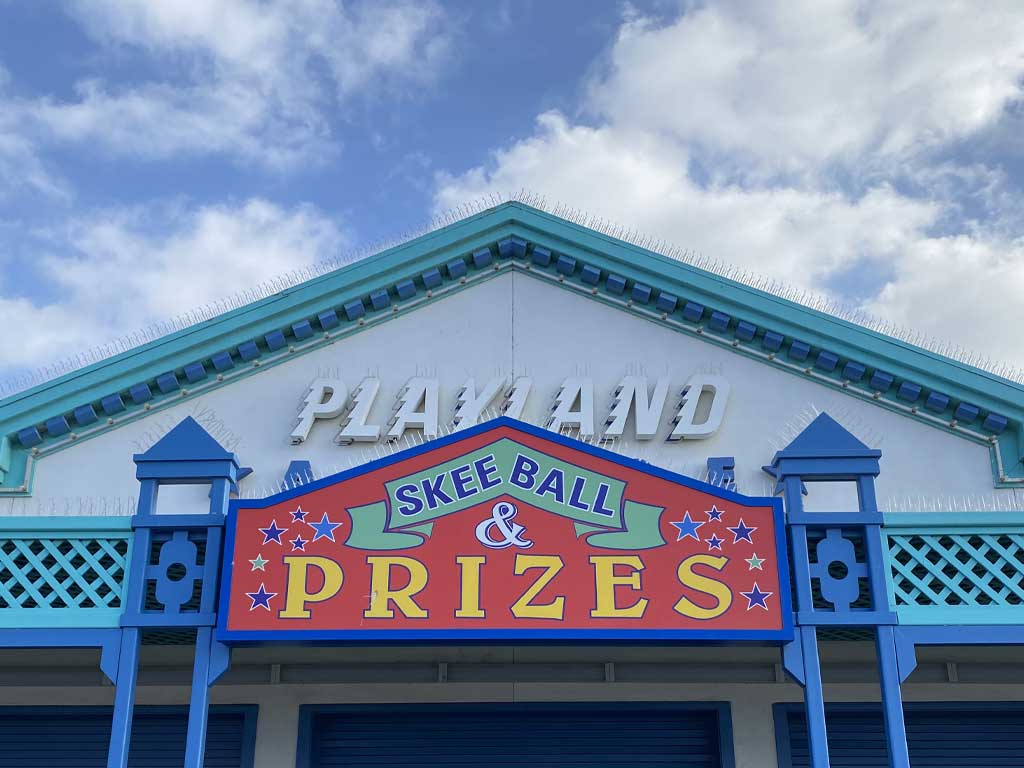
{"points": [[697, 413], [505, 532]]}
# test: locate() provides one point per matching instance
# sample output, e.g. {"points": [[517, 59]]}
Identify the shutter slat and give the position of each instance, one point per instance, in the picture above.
{"points": [[52, 737], [943, 738], [538, 738]]}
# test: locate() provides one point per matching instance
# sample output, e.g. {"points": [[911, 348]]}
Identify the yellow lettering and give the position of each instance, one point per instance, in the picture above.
{"points": [[705, 585], [296, 595], [470, 605], [605, 581], [382, 595], [523, 608]]}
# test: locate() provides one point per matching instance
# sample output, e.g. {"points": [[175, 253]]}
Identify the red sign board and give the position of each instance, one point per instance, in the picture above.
{"points": [[505, 532]]}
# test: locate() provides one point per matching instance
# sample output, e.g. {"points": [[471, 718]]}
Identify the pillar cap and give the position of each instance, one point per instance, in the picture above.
{"points": [[186, 453]]}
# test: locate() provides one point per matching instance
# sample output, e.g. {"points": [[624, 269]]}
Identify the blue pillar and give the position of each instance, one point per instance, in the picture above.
{"points": [[885, 634], [128, 657], [199, 701], [892, 700], [826, 452], [187, 455], [814, 697], [124, 699]]}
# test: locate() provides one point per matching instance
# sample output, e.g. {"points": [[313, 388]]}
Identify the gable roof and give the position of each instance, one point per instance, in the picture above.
{"points": [[918, 383], [825, 431], [186, 439]]}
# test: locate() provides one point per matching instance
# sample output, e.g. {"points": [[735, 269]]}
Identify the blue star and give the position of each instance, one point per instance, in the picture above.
{"points": [[714, 513], [298, 543], [324, 529], [687, 527], [260, 598], [714, 542], [742, 532], [299, 515], [272, 532], [756, 597]]}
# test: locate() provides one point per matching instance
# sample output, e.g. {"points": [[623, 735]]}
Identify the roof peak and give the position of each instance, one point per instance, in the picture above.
{"points": [[610, 265], [524, 200]]}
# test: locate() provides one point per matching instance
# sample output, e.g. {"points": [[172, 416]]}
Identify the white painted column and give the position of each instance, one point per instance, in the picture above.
{"points": [[277, 729], [753, 728]]}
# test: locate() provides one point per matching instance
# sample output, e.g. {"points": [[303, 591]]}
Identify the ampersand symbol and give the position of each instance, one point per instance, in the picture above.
{"points": [[502, 515]]}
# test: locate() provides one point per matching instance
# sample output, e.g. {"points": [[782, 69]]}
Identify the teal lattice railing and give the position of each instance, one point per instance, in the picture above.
{"points": [[966, 568], [62, 572]]}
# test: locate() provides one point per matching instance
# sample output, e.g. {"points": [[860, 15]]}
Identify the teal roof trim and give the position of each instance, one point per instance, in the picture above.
{"points": [[947, 394]]}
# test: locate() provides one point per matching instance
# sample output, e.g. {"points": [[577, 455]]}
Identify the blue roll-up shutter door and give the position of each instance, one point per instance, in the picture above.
{"points": [[938, 736], [78, 737], [537, 736]]}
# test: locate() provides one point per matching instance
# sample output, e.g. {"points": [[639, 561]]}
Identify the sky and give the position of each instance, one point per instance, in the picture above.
{"points": [[158, 155]]}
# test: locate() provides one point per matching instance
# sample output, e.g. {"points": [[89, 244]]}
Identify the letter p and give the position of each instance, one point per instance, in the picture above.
{"points": [[296, 592]]}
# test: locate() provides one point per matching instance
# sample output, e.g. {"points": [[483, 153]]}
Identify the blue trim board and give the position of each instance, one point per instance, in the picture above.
{"points": [[58, 638], [1002, 634], [307, 712], [22, 526], [505, 637], [782, 635], [783, 754], [836, 353], [902, 523]]}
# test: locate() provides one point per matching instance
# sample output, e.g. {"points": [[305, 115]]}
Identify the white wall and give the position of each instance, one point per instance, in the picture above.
{"points": [[513, 325]]}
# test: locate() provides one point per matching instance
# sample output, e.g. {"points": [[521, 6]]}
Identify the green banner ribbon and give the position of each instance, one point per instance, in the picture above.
{"points": [[595, 502]]}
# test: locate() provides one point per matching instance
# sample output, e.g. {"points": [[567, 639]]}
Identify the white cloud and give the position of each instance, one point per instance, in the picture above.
{"points": [[277, 43], [799, 235], [159, 121], [812, 142], [963, 287], [20, 167], [114, 271], [245, 79], [795, 85]]}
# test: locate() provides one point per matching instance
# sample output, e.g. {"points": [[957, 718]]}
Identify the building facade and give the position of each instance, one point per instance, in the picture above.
{"points": [[519, 492]]}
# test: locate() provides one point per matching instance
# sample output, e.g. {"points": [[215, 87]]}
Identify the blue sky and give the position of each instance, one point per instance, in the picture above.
{"points": [[158, 155]]}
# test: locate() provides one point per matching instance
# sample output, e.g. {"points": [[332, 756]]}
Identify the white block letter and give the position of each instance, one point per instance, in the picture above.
{"points": [[471, 405], [416, 408], [325, 399], [567, 414], [356, 429], [515, 398], [685, 426], [633, 390]]}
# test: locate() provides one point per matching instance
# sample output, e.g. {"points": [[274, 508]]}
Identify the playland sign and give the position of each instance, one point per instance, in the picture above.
{"points": [[505, 532]]}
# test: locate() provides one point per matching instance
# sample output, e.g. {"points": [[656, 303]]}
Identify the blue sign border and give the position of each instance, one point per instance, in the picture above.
{"points": [[505, 636]]}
